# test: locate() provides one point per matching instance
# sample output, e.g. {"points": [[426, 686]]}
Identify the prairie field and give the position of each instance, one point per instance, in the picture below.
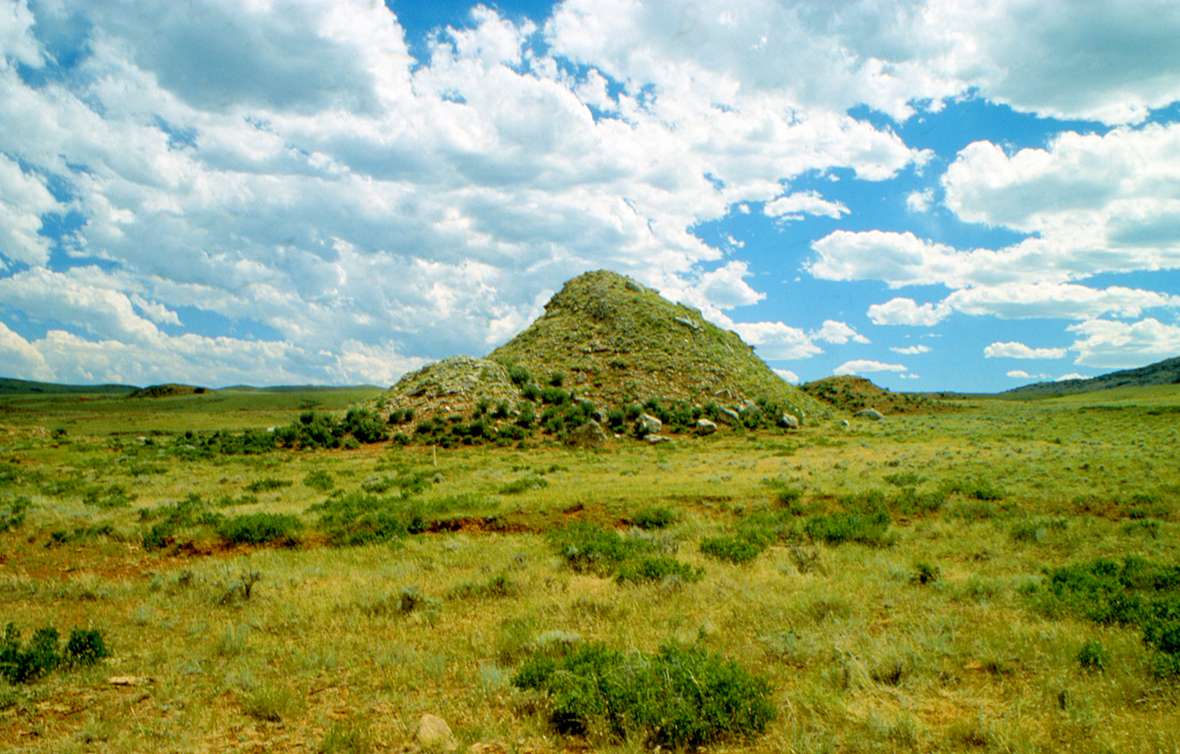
{"points": [[1004, 576]]}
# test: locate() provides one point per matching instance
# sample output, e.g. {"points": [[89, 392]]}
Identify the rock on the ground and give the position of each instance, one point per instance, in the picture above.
{"points": [[788, 421], [730, 414], [648, 425], [870, 413], [657, 439], [706, 427], [589, 435], [434, 734], [845, 424]]}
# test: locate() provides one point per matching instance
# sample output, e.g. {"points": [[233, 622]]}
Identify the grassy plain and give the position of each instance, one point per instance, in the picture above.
{"points": [[933, 631]]}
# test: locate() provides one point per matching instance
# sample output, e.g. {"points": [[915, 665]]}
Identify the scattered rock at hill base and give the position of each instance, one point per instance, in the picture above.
{"points": [[706, 427], [787, 421], [870, 413], [648, 425], [434, 734], [845, 424], [657, 439], [589, 435], [730, 414]]}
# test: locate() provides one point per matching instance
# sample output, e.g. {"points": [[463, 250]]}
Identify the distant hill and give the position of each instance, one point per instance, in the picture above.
{"points": [[1166, 372], [10, 386], [613, 342], [167, 390], [850, 393]]}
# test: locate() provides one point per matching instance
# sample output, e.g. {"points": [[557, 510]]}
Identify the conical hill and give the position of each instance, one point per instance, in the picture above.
{"points": [[612, 342], [616, 342]]}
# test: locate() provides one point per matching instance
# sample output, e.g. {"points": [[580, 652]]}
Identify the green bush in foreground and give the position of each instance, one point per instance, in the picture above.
{"points": [[22, 663], [680, 697], [260, 529], [1136, 592]]}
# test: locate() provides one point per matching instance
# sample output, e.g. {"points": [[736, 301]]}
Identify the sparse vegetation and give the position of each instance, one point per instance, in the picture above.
{"points": [[909, 579]]}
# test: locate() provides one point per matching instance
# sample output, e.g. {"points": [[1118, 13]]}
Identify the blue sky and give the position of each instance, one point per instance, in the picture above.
{"points": [[937, 195]]}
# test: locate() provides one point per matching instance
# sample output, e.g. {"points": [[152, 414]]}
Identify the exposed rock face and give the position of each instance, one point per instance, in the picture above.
{"points": [[454, 385], [870, 413], [705, 427], [589, 435]]}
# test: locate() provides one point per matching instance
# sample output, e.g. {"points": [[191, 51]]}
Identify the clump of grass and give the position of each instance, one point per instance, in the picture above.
{"points": [[1035, 530], [909, 501], [657, 568], [22, 662], [13, 512], [655, 517], [904, 479], [268, 484], [107, 498], [261, 529], [173, 517], [925, 573], [319, 480], [732, 548], [496, 587], [1136, 592], [1092, 656], [588, 547], [524, 484], [977, 488], [850, 526], [681, 697], [347, 737], [242, 589], [358, 519], [268, 702]]}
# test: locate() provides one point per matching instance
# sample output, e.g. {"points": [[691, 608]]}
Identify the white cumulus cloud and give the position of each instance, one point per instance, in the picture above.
{"points": [[868, 366], [906, 311], [1015, 350]]}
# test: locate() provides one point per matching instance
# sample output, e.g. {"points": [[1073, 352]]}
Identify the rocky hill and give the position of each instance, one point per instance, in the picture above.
{"points": [[608, 344], [852, 394], [166, 390], [1166, 372]]}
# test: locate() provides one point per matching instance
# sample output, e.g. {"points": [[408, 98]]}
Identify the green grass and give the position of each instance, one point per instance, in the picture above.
{"points": [[994, 578]]}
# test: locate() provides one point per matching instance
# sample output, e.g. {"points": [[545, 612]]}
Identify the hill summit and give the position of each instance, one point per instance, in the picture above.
{"points": [[613, 343]]}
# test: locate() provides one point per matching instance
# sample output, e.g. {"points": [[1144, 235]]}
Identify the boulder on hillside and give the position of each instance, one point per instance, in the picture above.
{"points": [[706, 427], [870, 413], [589, 435], [788, 421], [647, 424]]}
